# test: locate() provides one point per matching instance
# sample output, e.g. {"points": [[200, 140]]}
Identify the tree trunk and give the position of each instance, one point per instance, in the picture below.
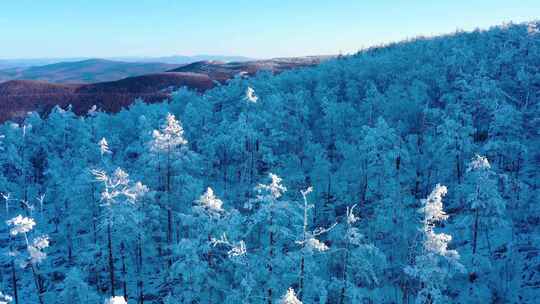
{"points": [[458, 169], [124, 271], [475, 230], [169, 207], [14, 282], [36, 282], [111, 259], [139, 263], [271, 255], [301, 288], [344, 287]]}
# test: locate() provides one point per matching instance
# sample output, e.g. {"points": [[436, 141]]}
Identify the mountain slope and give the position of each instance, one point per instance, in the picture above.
{"points": [[220, 70], [19, 97]]}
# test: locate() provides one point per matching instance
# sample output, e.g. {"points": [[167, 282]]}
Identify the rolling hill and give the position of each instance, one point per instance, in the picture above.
{"points": [[220, 70], [18, 97]]}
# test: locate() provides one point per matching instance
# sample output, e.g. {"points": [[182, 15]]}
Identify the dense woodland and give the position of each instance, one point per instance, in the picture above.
{"points": [[406, 173]]}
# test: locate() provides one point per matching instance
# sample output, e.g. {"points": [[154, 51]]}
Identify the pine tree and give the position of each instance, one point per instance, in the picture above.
{"points": [[484, 201], [34, 247], [269, 195], [169, 141], [361, 262], [436, 264], [76, 290], [309, 242], [118, 196]]}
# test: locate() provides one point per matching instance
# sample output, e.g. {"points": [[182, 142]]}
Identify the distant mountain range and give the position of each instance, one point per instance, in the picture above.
{"points": [[98, 70], [86, 71], [18, 97], [175, 59], [179, 59]]}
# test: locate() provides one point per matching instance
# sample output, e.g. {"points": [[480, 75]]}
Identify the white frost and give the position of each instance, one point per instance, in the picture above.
{"points": [[250, 95], [21, 224], [210, 202], [290, 298], [115, 300], [170, 136]]}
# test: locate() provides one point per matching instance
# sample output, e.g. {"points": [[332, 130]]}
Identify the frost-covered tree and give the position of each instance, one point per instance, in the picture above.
{"points": [[436, 264], [169, 141], [375, 128], [361, 262], [309, 241], [456, 141], [119, 195], [209, 203], [76, 290], [269, 195], [35, 249], [484, 200]]}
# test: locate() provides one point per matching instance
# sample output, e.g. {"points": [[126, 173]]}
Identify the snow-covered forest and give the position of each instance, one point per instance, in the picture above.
{"points": [[406, 173]]}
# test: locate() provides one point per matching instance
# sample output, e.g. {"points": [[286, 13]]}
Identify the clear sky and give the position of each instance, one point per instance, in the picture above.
{"points": [[255, 28]]}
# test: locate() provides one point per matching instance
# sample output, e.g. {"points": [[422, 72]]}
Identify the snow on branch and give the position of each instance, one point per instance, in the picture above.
{"points": [[116, 300], [235, 250], [36, 249], [433, 206], [479, 163], [309, 238], [351, 218], [275, 188], [118, 187], [7, 198], [210, 203], [290, 298], [5, 299], [170, 135], [250, 95], [104, 147], [21, 225], [428, 265]]}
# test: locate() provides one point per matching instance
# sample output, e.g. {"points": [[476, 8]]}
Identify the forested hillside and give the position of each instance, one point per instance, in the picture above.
{"points": [[406, 173]]}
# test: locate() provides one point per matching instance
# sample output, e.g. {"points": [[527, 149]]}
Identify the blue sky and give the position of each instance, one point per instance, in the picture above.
{"points": [[255, 28]]}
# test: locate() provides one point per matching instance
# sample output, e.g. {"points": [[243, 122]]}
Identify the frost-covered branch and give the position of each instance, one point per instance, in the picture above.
{"points": [[309, 238], [209, 203], [290, 298], [5, 299], [250, 95], [235, 249], [104, 147], [275, 189], [23, 225], [116, 300], [118, 187], [170, 135]]}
